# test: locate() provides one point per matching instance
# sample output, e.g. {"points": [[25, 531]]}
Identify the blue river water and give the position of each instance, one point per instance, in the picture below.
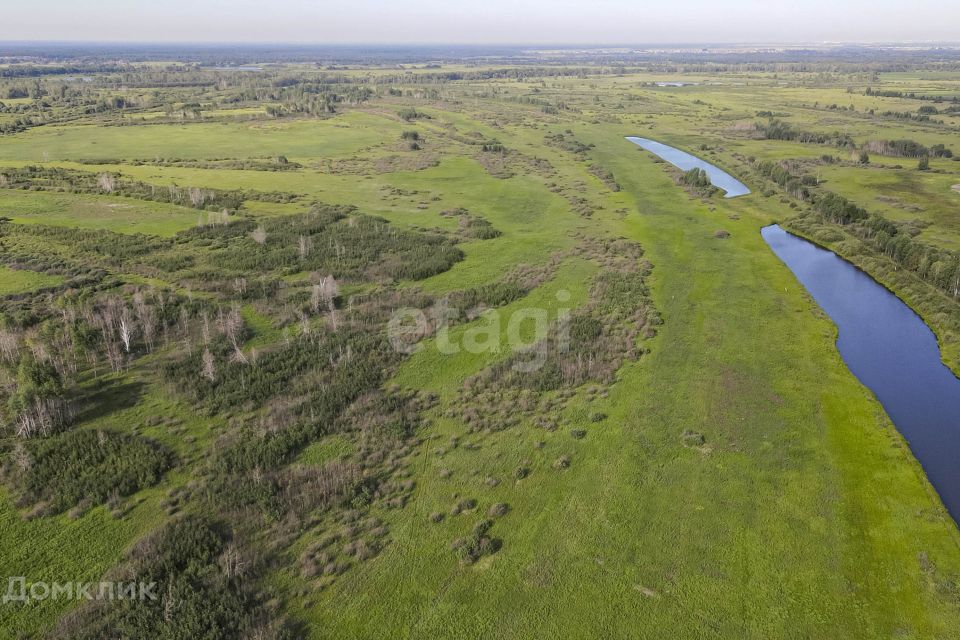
{"points": [[889, 349], [685, 161]]}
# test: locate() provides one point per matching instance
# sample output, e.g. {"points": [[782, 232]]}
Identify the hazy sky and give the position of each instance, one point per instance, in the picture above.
{"points": [[482, 21]]}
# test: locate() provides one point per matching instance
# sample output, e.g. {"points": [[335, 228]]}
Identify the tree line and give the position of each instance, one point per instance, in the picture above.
{"points": [[937, 266]]}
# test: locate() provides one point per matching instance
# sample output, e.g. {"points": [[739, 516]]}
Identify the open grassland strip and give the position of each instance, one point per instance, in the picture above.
{"points": [[19, 281], [343, 134], [64, 549], [96, 212], [431, 370]]}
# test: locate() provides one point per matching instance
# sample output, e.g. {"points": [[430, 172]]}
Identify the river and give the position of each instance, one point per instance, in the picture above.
{"points": [[685, 161], [890, 349]]}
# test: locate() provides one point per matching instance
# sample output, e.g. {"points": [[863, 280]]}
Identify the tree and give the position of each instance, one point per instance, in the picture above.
{"points": [[147, 318], [9, 346], [209, 370], [38, 403], [125, 329], [330, 291], [205, 328], [116, 330], [233, 330], [106, 182], [197, 197], [316, 297]]}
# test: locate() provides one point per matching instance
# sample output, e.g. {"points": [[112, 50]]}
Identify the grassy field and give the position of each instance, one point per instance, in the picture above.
{"points": [[732, 479], [14, 281], [97, 212], [743, 539], [195, 140]]}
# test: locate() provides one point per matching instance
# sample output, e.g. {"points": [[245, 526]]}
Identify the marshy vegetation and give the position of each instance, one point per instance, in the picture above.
{"points": [[201, 265]]}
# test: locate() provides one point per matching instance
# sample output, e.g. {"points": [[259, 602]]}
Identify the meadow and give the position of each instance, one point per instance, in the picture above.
{"points": [[210, 288], [22, 281]]}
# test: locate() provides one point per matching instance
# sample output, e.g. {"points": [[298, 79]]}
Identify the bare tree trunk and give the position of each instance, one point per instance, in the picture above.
{"points": [[209, 370], [126, 330]]}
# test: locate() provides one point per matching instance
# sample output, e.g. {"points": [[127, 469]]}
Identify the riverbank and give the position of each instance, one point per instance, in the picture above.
{"points": [[687, 161], [889, 348], [940, 313]]}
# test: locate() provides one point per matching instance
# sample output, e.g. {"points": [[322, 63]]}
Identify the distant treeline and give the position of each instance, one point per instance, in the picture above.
{"points": [[33, 71], [937, 266], [277, 163], [775, 129], [848, 58], [58, 179], [906, 149], [886, 93]]}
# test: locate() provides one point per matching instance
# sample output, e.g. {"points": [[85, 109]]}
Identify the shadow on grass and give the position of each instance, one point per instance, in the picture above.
{"points": [[114, 396]]}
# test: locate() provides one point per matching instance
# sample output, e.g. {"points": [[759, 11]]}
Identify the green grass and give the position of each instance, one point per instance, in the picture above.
{"points": [[121, 215], [59, 549], [320, 453], [533, 221], [341, 135], [264, 333], [437, 370], [804, 516], [805, 519], [14, 281]]}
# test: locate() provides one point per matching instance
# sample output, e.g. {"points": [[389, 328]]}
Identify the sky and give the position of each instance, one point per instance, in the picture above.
{"points": [[482, 21]]}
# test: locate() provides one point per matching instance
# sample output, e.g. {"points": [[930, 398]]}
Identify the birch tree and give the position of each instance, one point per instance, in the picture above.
{"points": [[125, 328], [209, 368], [233, 329], [9, 346], [106, 182], [330, 291]]}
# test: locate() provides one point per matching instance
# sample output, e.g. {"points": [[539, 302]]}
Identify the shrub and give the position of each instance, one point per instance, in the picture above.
{"points": [[409, 114], [464, 505], [498, 509], [182, 560], [477, 544], [87, 465]]}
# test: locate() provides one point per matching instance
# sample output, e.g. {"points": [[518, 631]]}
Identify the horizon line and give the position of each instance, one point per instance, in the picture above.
{"points": [[594, 45]]}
